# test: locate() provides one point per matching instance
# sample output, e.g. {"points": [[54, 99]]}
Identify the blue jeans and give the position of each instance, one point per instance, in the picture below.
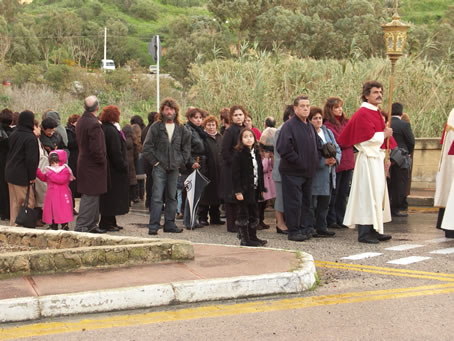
{"points": [[163, 180]]}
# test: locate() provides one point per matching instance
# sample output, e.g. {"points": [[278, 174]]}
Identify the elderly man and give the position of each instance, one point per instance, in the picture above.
{"points": [[91, 167], [298, 147], [167, 148], [368, 203]]}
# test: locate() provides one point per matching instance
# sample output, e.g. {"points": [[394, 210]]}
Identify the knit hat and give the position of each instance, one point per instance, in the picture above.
{"points": [[26, 119]]}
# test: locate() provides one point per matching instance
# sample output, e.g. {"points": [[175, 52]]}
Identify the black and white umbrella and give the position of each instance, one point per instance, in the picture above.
{"points": [[195, 183]]}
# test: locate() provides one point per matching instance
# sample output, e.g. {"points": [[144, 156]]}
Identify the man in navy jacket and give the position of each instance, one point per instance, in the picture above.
{"points": [[298, 147]]}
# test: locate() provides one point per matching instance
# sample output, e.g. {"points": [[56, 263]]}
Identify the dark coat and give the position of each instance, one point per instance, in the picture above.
{"points": [[4, 193], [170, 155], [403, 134], [210, 195], [51, 143], [229, 141], [132, 152], [73, 154], [243, 175], [299, 148], [92, 160], [198, 149], [23, 154], [116, 200]]}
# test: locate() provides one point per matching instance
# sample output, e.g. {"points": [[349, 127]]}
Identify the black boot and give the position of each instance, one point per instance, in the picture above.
{"points": [[253, 234], [365, 234], [244, 237], [53, 227], [65, 226]]}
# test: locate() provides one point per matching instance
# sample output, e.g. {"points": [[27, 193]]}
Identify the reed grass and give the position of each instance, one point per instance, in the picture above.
{"points": [[264, 83]]}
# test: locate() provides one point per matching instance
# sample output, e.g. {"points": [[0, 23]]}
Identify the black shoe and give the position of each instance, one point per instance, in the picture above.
{"points": [[335, 226], [399, 214], [297, 237], [217, 222], [152, 232], [263, 226], [324, 233], [96, 229], [382, 237], [65, 227], [110, 228], [369, 240], [53, 227], [119, 227], [204, 222], [279, 231], [172, 229]]}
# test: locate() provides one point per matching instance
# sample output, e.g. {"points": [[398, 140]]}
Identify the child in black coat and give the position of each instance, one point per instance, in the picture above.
{"points": [[248, 185]]}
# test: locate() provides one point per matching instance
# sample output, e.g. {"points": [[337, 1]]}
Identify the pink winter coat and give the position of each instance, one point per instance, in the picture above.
{"points": [[58, 204], [270, 193]]}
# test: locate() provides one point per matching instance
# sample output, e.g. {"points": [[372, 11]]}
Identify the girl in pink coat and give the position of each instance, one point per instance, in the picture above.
{"points": [[58, 207]]}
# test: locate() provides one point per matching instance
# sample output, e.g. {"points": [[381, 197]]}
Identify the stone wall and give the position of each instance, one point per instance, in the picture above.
{"points": [[426, 158], [61, 251]]}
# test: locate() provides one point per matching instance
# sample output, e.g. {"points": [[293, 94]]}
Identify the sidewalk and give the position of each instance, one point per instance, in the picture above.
{"points": [[218, 272]]}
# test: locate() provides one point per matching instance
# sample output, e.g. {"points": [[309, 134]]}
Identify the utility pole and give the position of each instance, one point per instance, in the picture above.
{"points": [[105, 43], [158, 49]]}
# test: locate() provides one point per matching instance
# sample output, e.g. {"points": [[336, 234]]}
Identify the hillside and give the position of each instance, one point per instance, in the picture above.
{"points": [[424, 11]]}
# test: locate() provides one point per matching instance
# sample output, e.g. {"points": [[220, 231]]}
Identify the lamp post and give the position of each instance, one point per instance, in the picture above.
{"points": [[395, 33]]}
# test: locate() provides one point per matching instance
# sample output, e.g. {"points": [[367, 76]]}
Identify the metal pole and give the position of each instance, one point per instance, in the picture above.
{"points": [[105, 43], [158, 47], [390, 96]]}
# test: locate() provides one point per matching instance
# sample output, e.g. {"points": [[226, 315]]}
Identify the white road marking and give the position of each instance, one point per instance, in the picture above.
{"points": [[363, 255], [404, 247], [439, 240], [444, 251], [408, 260]]}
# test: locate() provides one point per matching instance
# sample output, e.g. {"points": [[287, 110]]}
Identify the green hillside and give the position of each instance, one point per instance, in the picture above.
{"points": [[424, 11]]}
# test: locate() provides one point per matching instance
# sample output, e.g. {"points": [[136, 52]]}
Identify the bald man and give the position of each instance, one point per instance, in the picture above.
{"points": [[91, 167]]}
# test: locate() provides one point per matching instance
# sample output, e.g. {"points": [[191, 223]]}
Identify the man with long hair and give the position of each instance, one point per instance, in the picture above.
{"points": [[368, 203], [167, 148]]}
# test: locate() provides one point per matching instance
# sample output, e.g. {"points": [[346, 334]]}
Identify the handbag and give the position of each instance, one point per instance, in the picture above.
{"points": [[26, 216], [400, 157], [329, 150]]}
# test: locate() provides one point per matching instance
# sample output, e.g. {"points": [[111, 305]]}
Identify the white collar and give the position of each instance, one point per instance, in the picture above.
{"points": [[396, 116], [369, 106]]}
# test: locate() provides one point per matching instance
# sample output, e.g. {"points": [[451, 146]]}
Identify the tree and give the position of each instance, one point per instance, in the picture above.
{"points": [[5, 39]]}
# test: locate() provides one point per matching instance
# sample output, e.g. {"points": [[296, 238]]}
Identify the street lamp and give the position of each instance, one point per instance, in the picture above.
{"points": [[395, 33]]}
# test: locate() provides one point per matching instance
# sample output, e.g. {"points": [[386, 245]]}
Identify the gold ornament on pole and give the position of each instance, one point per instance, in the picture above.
{"points": [[395, 34]]}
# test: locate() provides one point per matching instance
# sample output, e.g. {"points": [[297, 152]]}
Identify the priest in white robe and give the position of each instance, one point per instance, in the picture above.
{"points": [[368, 203]]}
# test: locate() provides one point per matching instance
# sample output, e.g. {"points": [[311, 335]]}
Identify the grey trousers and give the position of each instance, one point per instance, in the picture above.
{"points": [[88, 213]]}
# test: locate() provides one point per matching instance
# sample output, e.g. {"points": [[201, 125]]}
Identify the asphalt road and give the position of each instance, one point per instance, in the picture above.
{"points": [[374, 298]]}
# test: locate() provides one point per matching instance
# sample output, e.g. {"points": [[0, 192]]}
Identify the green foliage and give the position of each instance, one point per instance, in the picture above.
{"points": [[145, 10], [264, 84], [20, 74], [119, 79], [58, 76]]}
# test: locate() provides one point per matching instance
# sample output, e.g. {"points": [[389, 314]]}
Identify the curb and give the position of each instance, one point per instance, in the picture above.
{"points": [[33, 308]]}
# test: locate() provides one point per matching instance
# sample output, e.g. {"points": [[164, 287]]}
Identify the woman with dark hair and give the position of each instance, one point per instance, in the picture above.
{"points": [[336, 120], [210, 200], [6, 117], [115, 201], [198, 159], [49, 137], [224, 115], [132, 152], [237, 117], [73, 154], [325, 175], [21, 163], [136, 119], [139, 164]]}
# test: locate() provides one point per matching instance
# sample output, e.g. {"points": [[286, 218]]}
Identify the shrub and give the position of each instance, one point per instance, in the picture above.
{"points": [[145, 10], [58, 76]]}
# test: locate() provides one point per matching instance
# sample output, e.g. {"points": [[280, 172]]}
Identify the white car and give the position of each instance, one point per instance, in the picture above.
{"points": [[153, 69], [107, 64]]}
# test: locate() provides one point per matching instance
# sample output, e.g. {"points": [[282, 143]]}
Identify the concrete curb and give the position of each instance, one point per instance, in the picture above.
{"points": [[32, 308]]}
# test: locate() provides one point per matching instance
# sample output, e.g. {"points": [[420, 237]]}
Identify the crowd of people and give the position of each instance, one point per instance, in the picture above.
{"points": [[305, 169]]}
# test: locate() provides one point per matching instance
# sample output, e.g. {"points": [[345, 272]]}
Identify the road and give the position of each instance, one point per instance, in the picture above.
{"points": [[402, 289]]}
